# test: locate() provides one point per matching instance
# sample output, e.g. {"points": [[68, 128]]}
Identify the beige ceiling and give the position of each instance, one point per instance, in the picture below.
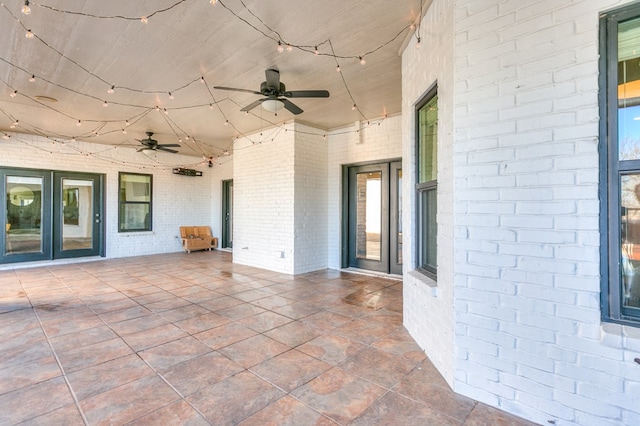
{"points": [[75, 58]]}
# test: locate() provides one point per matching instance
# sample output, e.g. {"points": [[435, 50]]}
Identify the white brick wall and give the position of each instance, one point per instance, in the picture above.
{"points": [[524, 278], [177, 200], [428, 307], [280, 194]]}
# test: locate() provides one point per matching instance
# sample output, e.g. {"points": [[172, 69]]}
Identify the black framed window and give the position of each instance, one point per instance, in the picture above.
{"points": [[135, 202], [427, 182], [620, 164]]}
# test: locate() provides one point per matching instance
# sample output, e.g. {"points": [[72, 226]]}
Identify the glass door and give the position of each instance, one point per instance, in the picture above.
{"points": [[26, 215], [77, 214], [227, 214], [374, 217], [50, 215]]}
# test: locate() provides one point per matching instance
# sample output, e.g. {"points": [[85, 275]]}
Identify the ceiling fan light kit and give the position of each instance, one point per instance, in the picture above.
{"points": [[272, 105]]}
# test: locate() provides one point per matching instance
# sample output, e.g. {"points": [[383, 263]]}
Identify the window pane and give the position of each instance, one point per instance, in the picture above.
{"points": [[629, 90], [428, 141], [135, 188], [630, 244], [24, 215], [368, 215], [77, 214], [428, 209], [134, 217]]}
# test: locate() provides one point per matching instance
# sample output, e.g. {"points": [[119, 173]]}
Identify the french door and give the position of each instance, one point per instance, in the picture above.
{"points": [[50, 215], [373, 217]]}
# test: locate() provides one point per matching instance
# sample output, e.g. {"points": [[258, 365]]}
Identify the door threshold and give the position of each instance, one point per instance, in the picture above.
{"points": [[34, 264], [372, 273]]}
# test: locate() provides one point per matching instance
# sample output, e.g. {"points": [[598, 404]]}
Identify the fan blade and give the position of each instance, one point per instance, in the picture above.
{"points": [[164, 145], [273, 78], [252, 105], [162, 148], [306, 94], [233, 89], [293, 108]]}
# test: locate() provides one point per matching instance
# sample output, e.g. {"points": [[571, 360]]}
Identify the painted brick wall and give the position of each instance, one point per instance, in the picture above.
{"points": [[263, 189], [310, 200], [177, 200], [428, 306], [378, 140], [528, 333]]}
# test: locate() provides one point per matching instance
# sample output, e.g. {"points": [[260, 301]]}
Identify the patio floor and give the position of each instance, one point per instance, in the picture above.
{"points": [[193, 339]]}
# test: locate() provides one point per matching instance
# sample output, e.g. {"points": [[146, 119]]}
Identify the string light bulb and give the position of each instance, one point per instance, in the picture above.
{"points": [[171, 96], [111, 89], [289, 48], [32, 78], [362, 60], [124, 131], [202, 79], [166, 112], [144, 20], [226, 122], [26, 9], [126, 123], [338, 68], [210, 106], [105, 104], [213, 1], [316, 51], [14, 125], [5, 136], [79, 123], [280, 47], [29, 34], [418, 44], [353, 108]]}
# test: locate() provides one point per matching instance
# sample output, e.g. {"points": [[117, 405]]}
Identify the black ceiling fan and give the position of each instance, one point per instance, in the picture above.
{"points": [[153, 145], [275, 94]]}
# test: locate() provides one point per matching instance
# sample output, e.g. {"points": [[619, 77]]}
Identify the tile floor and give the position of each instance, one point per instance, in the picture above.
{"points": [[194, 339]]}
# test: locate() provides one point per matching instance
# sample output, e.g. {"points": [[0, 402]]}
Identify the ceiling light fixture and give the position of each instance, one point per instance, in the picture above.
{"points": [[29, 34], [273, 105], [26, 9]]}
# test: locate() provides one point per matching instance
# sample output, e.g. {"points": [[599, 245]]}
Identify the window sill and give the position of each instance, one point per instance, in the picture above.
{"points": [[420, 278]]}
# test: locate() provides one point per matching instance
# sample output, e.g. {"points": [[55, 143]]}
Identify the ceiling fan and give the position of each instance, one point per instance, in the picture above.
{"points": [[153, 145], [275, 94]]}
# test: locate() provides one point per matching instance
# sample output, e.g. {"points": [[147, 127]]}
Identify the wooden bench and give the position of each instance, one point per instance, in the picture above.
{"points": [[197, 238]]}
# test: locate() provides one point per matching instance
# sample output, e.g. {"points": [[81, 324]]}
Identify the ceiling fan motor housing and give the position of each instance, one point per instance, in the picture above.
{"points": [[266, 90]]}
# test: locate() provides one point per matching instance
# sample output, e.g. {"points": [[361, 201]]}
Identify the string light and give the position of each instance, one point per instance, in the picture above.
{"points": [[353, 108], [210, 106], [105, 104], [79, 123], [280, 48], [289, 48], [32, 78], [111, 89], [126, 123], [124, 131], [144, 20], [418, 43], [362, 61], [166, 112], [171, 96], [29, 34], [202, 79], [315, 51], [26, 9], [338, 68], [14, 94], [5, 136], [14, 125], [226, 122], [213, 1]]}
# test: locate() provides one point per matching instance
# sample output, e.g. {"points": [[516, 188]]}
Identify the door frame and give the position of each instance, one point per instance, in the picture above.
{"points": [[50, 236], [345, 222], [227, 213]]}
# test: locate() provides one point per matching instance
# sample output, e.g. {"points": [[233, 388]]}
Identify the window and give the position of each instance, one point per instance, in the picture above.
{"points": [[426, 181], [134, 201], [620, 164]]}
